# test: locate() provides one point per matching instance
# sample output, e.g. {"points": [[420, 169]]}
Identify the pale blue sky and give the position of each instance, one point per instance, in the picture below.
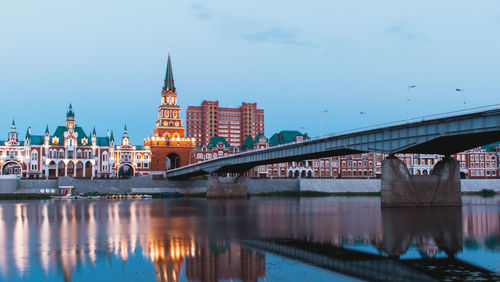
{"points": [[294, 58]]}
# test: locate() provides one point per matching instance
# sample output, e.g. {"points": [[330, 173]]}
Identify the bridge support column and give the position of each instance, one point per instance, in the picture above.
{"points": [[440, 188], [227, 187]]}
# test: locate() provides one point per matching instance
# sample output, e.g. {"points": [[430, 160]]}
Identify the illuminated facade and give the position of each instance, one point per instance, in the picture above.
{"points": [[169, 147], [69, 151]]}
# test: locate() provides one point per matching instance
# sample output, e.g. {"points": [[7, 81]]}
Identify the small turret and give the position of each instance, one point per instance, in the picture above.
{"points": [[112, 139], [28, 133], [13, 136], [93, 137], [125, 138], [46, 137], [70, 117]]}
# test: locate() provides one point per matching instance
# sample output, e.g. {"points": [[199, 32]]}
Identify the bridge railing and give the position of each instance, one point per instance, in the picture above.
{"points": [[414, 120]]}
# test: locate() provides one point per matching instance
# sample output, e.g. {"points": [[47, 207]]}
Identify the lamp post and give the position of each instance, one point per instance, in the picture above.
{"points": [[365, 117], [463, 91], [321, 123], [408, 102]]}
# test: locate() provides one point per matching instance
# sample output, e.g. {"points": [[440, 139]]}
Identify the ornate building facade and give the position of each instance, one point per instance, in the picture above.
{"points": [[69, 151]]}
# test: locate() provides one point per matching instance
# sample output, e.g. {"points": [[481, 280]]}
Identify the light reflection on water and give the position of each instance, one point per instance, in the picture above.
{"points": [[262, 239]]}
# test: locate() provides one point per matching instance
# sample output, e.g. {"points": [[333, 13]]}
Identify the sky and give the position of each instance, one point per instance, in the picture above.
{"points": [[295, 59]]}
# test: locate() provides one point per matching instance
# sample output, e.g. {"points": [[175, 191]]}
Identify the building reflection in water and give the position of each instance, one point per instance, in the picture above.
{"points": [[200, 240]]}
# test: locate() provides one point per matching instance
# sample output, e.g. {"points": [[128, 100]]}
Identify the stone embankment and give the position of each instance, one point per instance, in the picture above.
{"points": [[146, 184]]}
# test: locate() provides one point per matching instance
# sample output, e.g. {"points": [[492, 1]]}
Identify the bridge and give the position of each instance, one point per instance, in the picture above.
{"points": [[445, 134]]}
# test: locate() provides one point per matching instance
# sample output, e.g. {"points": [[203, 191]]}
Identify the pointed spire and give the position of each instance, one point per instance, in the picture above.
{"points": [[28, 132], [47, 130], [112, 138], [70, 115], [13, 123], [125, 128], [169, 76], [93, 132]]}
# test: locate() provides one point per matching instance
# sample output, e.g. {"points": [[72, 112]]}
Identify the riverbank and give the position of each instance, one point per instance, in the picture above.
{"points": [[261, 187]]}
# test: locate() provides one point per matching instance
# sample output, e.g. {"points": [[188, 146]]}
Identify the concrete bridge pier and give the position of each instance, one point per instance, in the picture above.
{"points": [[440, 188], [227, 187]]}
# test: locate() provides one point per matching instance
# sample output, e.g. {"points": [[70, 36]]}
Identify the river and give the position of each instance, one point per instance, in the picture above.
{"points": [[260, 239]]}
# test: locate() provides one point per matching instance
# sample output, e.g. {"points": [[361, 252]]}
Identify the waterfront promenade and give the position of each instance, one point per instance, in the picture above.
{"points": [[146, 184]]}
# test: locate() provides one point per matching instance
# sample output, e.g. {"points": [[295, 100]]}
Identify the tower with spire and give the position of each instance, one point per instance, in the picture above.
{"points": [[169, 147], [13, 135], [70, 118], [169, 122], [125, 138]]}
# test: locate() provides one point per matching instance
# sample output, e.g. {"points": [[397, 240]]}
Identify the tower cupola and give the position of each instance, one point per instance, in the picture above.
{"points": [[13, 136], [70, 118]]}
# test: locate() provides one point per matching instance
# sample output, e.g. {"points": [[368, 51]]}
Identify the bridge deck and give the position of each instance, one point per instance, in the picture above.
{"points": [[442, 135]]}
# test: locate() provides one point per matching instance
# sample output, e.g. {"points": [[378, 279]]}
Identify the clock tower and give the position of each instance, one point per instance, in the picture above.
{"points": [[170, 149]]}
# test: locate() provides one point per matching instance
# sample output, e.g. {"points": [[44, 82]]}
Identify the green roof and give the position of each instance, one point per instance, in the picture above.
{"points": [[59, 133], [215, 140], [285, 136], [258, 137], [37, 139], [248, 143], [491, 147], [102, 141]]}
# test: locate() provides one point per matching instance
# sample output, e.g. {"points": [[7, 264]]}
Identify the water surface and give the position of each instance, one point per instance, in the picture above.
{"points": [[261, 239]]}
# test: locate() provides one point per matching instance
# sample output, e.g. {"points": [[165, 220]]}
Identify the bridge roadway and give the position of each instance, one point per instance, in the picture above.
{"points": [[444, 134]]}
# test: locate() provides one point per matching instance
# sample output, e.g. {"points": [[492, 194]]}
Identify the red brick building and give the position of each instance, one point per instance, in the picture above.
{"points": [[234, 124], [169, 147], [480, 162]]}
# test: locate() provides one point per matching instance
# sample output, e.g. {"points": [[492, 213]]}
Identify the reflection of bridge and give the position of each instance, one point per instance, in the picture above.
{"points": [[371, 267]]}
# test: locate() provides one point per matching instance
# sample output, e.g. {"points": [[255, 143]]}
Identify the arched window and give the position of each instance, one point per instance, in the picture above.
{"points": [[34, 155], [61, 154], [79, 154]]}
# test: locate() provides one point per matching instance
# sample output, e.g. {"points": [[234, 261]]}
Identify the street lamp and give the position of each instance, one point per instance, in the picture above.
{"points": [[366, 118], [321, 122], [408, 102], [463, 91]]}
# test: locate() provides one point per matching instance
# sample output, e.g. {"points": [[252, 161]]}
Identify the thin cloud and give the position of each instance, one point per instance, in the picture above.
{"points": [[403, 32], [201, 12], [247, 30], [276, 35]]}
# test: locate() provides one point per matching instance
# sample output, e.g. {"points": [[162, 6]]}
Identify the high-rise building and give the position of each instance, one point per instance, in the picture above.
{"points": [[169, 148], [234, 124]]}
